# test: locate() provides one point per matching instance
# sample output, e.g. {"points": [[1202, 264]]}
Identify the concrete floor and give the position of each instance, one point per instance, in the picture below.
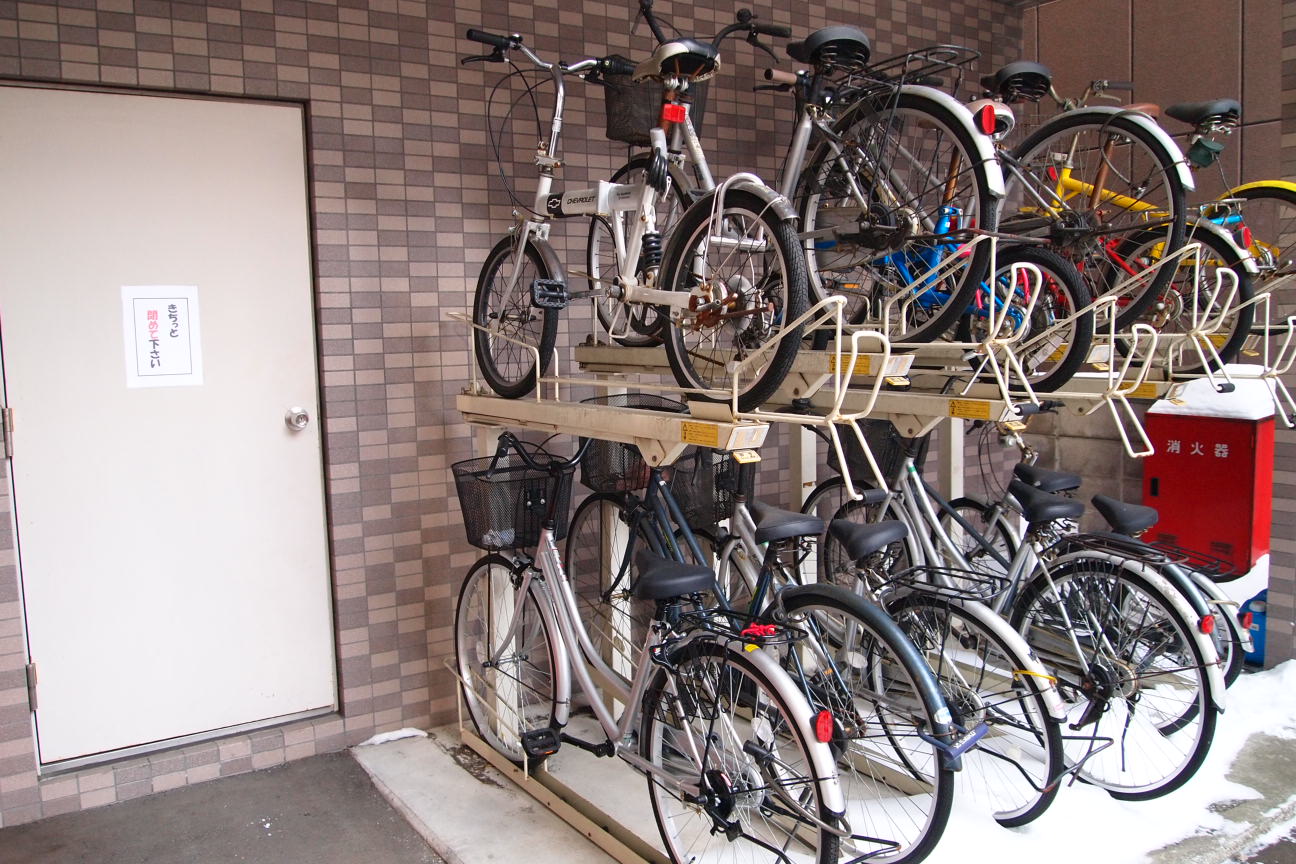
{"points": [[321, 810]]}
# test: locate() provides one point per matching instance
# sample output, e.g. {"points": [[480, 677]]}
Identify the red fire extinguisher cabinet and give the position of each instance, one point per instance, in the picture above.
{"points": [[1211, 479]]}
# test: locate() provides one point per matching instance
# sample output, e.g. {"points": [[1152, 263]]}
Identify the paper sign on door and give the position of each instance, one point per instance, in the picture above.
{"points": [[160, 324]]}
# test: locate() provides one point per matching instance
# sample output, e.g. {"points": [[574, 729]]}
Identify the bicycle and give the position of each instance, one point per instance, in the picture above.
{"points": [[724, 736], [1140, 679], [894, 749], [732, 278], [892, 181]]}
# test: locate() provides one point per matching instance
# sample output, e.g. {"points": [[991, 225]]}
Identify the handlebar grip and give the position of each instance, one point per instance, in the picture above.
{"points": [[781, 77], [780, 30], [617, 66], [491, 39], [1119, 85]]}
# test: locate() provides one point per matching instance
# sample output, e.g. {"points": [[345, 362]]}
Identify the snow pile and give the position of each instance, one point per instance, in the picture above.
{"points": [[1103, 829], [1251, 400], [384, 737]]}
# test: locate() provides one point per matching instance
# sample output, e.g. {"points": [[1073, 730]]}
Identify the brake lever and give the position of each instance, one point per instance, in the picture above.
{"points": [[496, 56], [754, 41], [782, 88]]}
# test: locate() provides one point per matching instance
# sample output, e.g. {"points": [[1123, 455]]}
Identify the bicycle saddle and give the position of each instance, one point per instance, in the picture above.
{"points": [[661, 578], [861, 541], [1046, 480], [686, 59], [1124, 518], [1022, 81], [1040, 506], [1223, 111], [775, 524], [842, 47]]}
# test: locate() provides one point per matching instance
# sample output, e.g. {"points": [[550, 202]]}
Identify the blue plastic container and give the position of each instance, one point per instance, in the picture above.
{"points": [[1257, 606]]}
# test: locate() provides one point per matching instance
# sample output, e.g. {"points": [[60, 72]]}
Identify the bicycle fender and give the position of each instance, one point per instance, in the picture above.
{"points": [[991, 620], [960, 112], [1214, 674], [1215, 595], [550, 257], [781, 206], [1161, 136], [1247, 259], [928, 688], [830, 792], [1284, 185]]}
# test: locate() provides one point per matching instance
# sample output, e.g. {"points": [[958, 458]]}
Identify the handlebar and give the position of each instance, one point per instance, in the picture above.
{"points": [[503, 43], [744, 20], [778, 76], [1103, 84], [508, 441], [1046, 406]]}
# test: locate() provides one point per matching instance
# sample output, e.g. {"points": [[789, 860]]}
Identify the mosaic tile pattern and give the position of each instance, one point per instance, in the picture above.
{"points": [[406, 205]]}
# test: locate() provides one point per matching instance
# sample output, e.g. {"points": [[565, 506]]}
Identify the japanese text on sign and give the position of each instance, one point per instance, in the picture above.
{"points": [[160, 324], [1196, 448]]}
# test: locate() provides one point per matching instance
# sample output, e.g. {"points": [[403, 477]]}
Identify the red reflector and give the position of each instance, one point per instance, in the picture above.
{"points": [[1206, 624], [1246, 237], [986, 118], [672, 112], [1052, 172], [1246, 619], [824, 726]]}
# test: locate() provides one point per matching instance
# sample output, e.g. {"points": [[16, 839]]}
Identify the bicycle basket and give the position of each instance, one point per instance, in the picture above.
{"points": [[634, 107], [504, 502], [706, 484], [610, 466], [884, 442]]}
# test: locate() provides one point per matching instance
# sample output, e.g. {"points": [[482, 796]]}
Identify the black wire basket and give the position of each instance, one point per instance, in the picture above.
{"points": [[504, 501], [610, 466], [706, 484], [886, 444], [634, 107]]}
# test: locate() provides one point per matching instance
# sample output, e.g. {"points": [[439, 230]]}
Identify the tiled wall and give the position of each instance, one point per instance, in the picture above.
{"points": [[406, 204]]}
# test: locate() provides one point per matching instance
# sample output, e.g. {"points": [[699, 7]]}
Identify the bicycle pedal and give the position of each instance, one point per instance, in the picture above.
{"points": [[550, 294], [539, 743]]}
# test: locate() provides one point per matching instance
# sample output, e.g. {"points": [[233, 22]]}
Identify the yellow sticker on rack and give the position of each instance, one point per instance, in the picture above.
{"points": [[1058, 353], [1218, 339], [863, 364], [1146, 390], [745, 457], [969, 409], [702, 434]]}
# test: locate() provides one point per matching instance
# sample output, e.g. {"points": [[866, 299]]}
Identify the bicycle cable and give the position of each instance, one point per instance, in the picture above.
{"points": [[497, 138]]}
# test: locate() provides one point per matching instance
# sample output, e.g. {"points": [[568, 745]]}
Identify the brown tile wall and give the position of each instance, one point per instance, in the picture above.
{"points": [[406, 204], [1178, 52]]}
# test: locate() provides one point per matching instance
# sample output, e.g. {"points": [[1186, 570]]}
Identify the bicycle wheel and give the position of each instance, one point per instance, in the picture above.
{"points": [[880, 219], [1014, 771], [749, 277], [1086, 182], [1189, 291], [1138, 682], [1059, 329], [1268, 229], [597, 541], [509, 689], [856, 663], [640, 322], [510, 318], [732, 778], [991, 533], [835, 566]]}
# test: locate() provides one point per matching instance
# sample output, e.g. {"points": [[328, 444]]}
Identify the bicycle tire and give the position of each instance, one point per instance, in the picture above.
{"points": [[1174, 309], [1170, 723], [1269, 214], [1014, 771], [858, 664], [1078, 231], [509, 368], [1049, 356], [882, 128], [835, 566], [519, 692], [714, 723], [776, 297], [645, 329]]}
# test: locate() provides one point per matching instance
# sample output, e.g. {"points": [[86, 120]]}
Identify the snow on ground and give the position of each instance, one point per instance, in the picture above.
{"points": [[384, 737], [1085, 824]]}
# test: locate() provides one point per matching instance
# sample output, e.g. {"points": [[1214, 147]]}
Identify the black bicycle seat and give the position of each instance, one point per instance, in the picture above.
{"points": [[1125, 518], [1023, 81], [1041, 506], [861, 541], [661, 578], [688, 59], [1216, 111], [1045, 479], [833, 48], [775, 524]]}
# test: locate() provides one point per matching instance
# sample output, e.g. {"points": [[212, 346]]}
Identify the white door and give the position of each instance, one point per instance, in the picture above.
{"points": [[171, 539]]}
